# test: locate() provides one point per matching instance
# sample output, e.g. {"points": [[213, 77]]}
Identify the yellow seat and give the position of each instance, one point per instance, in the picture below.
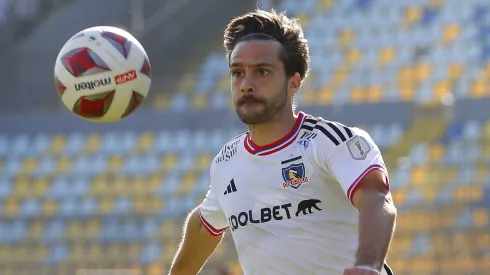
{"points": [[29, 166], [100, 186], [481, 217], [35, 230], [436, 151], [303, 18], [58, 143], [324, 5], [187, 83], [450, 33], [106, 205], [155, 269], [145, 142], [455, 71], [339, 76], [115, 164], [422, 72], [481, 172], [161, 101], [325, 95], [75, 230], [429, 194], [170, 249], [49, 208], [399, 196], [92, 228], [168, 229], [92, 143], [169, 161], [345, 38], [386, 55], [419, 175], [374, 94], [199, 101], [203, 161], [223, 83], [40, 186], [440, 89], [479, 88], [11, 207], [353, 56], [64, 163], [423, 266], [411, 16], [309, 97], [188, 183], [468, 193], [358, 95], [154, 204], [22, 187]]}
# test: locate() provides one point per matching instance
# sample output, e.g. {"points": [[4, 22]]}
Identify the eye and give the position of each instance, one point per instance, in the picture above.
{"points": [[263, 72], [236, 74]]}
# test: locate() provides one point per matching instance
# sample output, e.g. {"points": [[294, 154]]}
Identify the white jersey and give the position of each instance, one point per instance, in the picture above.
{"points": [[289, 205]]}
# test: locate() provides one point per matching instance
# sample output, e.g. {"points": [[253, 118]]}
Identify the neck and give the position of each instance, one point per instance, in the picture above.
{"points": [[267, 133]]}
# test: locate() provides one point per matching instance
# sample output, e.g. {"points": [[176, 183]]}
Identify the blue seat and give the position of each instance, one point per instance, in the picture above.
{"points": [[170, 185], [219, 101], [4, 146], [75, 143], [46, 166], [150, 253], [29, 208], [20, 145], [40, 144], [5, 188], [12, 166], [149, 228], [179, 102], [54, 231], [58, 253], [122, 205]]}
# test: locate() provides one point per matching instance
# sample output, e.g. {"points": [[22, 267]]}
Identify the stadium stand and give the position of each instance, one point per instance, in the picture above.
{"points": [[118, 199]]}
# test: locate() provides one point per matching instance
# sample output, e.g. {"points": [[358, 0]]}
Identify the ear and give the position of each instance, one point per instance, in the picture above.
{"points": [[295, 83]]}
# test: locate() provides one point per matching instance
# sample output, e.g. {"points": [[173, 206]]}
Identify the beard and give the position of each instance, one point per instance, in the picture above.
{"points": [[252, 109]]}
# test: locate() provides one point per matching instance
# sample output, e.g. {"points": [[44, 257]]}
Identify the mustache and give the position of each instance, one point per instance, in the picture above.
{"points": [[248, 99]]}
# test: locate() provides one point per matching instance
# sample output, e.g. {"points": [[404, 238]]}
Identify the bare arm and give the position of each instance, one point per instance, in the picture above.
{"points": [[377, 216], [195, 248]]}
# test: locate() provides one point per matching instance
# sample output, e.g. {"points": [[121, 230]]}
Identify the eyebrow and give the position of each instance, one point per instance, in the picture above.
{"points": [[262, 64]]}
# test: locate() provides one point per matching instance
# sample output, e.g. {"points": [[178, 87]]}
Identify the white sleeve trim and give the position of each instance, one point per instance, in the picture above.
{"points": [[213, 231]]}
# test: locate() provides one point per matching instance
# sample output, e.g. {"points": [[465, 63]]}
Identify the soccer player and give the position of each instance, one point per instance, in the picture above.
{"points": [[299, 194]]}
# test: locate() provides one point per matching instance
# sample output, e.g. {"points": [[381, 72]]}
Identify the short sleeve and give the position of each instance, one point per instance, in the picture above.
{"points": [[212, 216], [350, 161]]}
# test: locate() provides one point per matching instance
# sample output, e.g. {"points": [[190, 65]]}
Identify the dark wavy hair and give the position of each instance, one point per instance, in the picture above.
{"points": [[264, 25]]}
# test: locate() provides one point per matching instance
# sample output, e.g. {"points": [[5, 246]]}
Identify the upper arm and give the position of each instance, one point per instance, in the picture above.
{"points": [[354, 163], [211, 214]]}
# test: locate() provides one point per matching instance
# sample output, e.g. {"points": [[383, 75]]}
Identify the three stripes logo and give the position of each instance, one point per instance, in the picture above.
{"points": [[340, 136], [231, 188]]}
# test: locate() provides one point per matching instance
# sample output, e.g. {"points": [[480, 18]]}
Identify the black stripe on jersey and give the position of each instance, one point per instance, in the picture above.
{"points": [[312, 121], [348, 131], [290, 160], [339, 133], [325, 132], [307, 127]]}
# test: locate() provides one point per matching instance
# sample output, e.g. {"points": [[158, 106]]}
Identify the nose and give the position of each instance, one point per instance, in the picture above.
{"points": [[247, 87]]}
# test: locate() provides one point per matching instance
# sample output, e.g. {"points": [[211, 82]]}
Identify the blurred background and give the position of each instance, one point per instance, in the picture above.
{"points": [[78, 196]]}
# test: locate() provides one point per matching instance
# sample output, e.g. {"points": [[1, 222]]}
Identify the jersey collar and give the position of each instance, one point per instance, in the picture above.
{"points": [[278, 145]]}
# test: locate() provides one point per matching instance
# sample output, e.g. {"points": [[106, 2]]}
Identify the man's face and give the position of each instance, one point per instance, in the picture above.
{"points": [[258, 81]]}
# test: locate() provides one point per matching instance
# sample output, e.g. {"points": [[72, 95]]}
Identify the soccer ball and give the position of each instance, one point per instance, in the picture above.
{"points": [[102, 74]]}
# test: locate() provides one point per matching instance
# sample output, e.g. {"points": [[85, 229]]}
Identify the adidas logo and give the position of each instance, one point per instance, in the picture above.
{"points": [[230, 188]]}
